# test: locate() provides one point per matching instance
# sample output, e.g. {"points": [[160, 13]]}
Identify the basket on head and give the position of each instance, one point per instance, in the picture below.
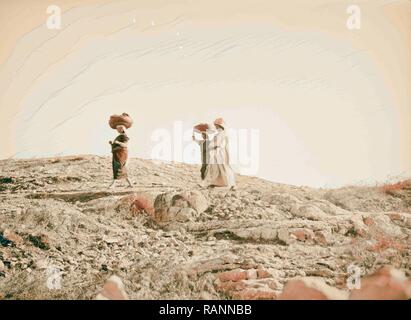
{"points": [[120, 120], [202, 127]]}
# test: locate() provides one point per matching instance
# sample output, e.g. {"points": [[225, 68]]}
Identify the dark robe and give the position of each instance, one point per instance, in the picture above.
{"points": [[205, 158], [120, 156]]}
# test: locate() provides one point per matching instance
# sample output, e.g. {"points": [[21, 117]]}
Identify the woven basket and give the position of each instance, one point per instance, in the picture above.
{"points": [[120, 120], [202, 127]]}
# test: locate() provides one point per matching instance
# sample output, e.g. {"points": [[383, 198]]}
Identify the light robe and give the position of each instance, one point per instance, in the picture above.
{"points": [[220, 172]]}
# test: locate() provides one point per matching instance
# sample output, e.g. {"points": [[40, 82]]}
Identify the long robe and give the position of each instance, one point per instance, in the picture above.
{"points": [[120, 156], [220, 172], [205, 156]]}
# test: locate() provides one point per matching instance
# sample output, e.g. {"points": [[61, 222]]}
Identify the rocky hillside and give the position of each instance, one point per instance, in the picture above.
{"points": [[63, 233]]}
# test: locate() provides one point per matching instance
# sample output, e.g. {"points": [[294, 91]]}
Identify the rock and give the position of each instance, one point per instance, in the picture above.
{"points": [[180, 207], [386, 284], [303, 234], [254, 294], [309, 288], [384, 224], [285, 236], [113, 290], [363, 224], [285, 200], [358, 225], [368, 221], [394, 216], [239, 274], [2, 267], [233, 275], [176, 214], [196, 200], [323, 237], [185, 214], [252, 284], [138, 203], [262, 274], [163, 202], [331, 208], [215, 265], [309, 212], [228, 287], [266, 233], [252, 274], [325, 273]]}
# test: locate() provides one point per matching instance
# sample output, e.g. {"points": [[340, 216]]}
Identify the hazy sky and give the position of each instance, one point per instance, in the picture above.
{"points": [[331, 106]]}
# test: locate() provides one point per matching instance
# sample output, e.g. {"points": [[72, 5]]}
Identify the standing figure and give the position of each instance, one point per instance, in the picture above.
{"points": [[120, 156], [220, 172], [204, 147]]}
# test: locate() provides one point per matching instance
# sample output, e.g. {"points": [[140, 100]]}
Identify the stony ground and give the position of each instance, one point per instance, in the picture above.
{"points": [[170, 238]]}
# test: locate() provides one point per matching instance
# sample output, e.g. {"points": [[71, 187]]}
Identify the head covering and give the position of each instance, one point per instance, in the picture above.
{"points": [[204, 128], [121, 126], [219, 122]]}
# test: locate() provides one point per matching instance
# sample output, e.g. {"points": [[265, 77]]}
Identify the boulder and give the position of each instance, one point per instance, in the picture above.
{"points": [[136, 204], [385, 225], [251, 284], [386, 284], [311, 288], [113, 290], [195, 200], [180, 207]]}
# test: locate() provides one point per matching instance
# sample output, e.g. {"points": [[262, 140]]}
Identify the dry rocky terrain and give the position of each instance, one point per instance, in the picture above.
{"points": [[171, 238]]}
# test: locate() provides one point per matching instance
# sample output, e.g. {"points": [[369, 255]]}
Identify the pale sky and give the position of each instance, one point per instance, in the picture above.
{"points": [[331, 106]]}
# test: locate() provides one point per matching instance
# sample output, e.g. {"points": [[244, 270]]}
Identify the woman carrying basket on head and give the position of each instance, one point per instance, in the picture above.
{"points": [[205, 130], [119, 148]]}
